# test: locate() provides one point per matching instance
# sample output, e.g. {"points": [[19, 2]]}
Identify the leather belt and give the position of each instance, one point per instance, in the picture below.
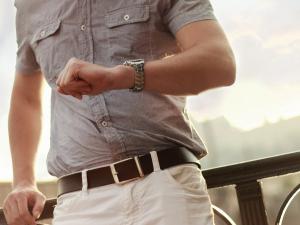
{"points": [[126, 170]]}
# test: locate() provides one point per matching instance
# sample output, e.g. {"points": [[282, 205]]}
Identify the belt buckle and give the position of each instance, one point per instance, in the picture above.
{"points": [[114, 172]]}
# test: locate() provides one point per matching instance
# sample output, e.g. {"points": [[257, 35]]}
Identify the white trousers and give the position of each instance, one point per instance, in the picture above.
{"points": [[175, 196]]}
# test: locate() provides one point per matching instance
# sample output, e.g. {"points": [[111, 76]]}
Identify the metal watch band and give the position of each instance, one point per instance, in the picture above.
{"points": [[139, 78]]}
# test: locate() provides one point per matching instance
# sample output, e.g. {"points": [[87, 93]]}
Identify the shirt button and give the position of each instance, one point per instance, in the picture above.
{"points": [[104, 123], [82, 27], [126, 17], [43, 33]]}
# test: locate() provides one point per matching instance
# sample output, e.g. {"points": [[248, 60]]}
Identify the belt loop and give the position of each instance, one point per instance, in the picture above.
{"points": [[155, 161], [84, 181]]}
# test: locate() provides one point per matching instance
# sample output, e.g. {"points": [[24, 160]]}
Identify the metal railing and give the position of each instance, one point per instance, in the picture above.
{"points": [[246, 179]]}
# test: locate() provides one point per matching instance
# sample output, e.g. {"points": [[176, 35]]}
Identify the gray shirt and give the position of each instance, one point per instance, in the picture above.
{"points": [[116, 124]]}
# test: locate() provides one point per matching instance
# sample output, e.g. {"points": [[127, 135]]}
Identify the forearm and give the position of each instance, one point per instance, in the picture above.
{"points": [[187, 73], [191, 72], [24, 133], [206, 62]]}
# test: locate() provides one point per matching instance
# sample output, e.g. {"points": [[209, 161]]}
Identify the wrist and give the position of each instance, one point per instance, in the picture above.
{"points": [[122, 77], [24, 179], [24, 184]]}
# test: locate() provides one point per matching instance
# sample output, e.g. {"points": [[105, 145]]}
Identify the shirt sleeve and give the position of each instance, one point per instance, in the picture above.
{"points": [[182, 12], [25, 58]]}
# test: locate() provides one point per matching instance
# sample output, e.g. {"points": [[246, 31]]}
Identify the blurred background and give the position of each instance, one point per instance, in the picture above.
{"points": [[257, 117]]}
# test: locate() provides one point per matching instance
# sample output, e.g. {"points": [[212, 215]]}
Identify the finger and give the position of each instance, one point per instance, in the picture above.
{"points": [[38, 207], [77, 95], [87, 91], [71, 74], [70, 89], [61, 90], [80, 94], [24, 213], [63, 78], [75, 84], [61, 74], [7, 213], [77, 87], [58, 80], [13, 213]]}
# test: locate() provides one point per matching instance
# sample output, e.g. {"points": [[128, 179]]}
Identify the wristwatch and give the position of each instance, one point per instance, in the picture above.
{"points": [[139, 77]]}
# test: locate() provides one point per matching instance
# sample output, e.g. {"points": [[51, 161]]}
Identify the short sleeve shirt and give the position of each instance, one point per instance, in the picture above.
{"points": [[116, 124]]}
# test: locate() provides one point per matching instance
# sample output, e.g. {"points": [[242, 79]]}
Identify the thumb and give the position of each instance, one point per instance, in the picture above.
{"points": [[38, 207]]}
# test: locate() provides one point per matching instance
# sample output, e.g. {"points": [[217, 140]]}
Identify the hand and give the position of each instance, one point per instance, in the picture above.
{"points": [[83, 78], [23, 205]]}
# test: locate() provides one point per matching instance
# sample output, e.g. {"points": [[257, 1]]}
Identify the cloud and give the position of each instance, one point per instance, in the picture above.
{"points": [[289, 41], [7, 53], [265, 37], [266, 40], [251, 103], [7, 11], [7, 59]]}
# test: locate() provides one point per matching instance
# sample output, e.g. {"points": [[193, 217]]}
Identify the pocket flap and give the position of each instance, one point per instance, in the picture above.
{"points": [[132, 14], [46, 30]]}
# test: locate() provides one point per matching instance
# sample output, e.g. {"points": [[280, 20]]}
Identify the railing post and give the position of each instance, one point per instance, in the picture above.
{"points": [[251, 204]]}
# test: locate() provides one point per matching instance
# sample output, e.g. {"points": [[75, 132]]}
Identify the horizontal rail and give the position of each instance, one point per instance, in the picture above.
{"points": [[252, 170]]}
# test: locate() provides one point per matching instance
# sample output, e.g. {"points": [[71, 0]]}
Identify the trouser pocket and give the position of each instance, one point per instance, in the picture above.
{"points": [[187, 177], [67, 203]]}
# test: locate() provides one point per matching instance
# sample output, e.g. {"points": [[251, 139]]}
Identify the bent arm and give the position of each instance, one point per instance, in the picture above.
{"points": [[206, 62], [25, 126]]}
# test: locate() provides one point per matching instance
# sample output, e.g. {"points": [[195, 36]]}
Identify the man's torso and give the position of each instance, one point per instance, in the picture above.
{"points": [[115, 124]]}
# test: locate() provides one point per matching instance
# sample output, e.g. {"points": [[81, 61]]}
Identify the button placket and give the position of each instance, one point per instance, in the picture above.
{"points": [[105, 124]]}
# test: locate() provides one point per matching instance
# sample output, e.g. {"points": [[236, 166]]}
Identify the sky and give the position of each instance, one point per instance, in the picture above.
{"points": [[265, 37]]}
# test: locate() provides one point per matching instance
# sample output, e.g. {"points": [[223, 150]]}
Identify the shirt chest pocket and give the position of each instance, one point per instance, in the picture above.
{"points": [[54, 44], [129, 32]]}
